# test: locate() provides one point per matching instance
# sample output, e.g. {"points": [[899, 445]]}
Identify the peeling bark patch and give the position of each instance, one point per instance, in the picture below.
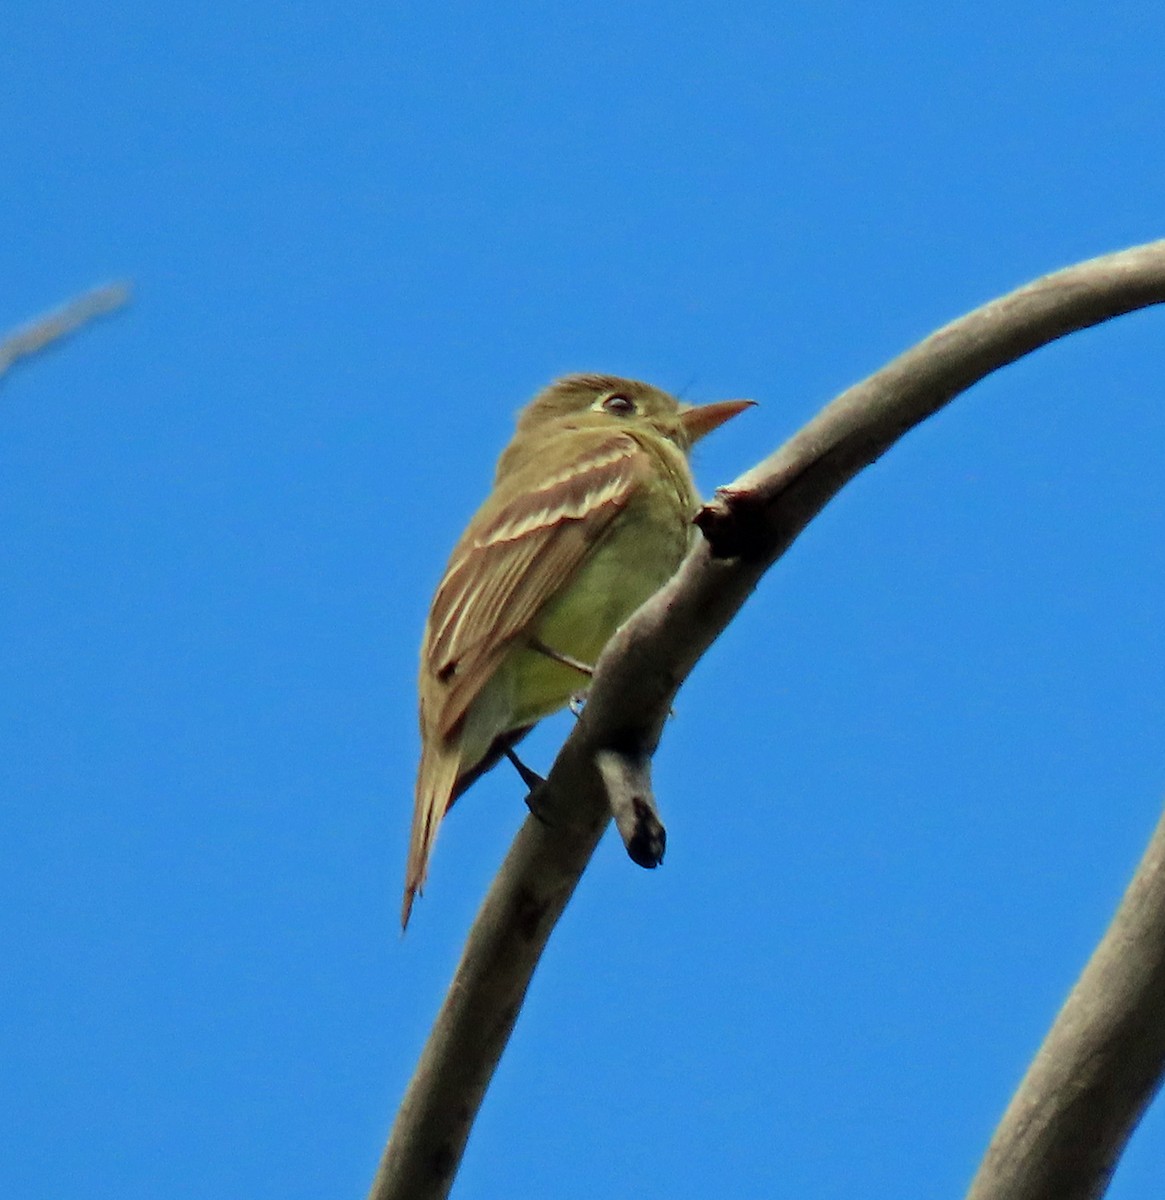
{"points": [[733, 525]]}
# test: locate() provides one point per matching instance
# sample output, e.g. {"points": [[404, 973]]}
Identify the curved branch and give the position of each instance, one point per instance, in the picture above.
{"points": [[747, 527], [1099, 1066]]}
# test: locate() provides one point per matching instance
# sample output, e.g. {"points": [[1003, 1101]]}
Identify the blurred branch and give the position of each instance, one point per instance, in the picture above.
{"points": [[50, 328], [747, 527]]}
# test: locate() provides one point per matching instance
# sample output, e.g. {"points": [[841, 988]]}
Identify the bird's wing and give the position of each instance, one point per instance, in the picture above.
{"points": [[509, 564], [505, 568]]}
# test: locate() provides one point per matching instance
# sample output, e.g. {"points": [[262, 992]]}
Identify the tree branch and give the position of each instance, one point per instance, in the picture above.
{"points": [[747, 527], [51, 327], [1099, 1066]]}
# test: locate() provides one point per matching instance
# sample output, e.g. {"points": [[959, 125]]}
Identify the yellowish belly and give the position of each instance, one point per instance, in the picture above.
{"points": [[620, 574]]}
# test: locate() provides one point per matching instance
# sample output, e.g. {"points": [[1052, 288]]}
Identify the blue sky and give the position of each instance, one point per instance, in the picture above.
{"points": [[903, 792]]}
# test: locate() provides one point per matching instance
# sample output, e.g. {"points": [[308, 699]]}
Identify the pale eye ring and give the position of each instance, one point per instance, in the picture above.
{"points": [[619, 405]]}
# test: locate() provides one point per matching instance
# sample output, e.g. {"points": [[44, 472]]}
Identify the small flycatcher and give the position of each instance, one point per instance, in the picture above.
{"points": [[590, 513]]}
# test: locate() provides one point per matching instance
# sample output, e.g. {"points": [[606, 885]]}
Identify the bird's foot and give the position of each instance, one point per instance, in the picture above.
{"points": [[534, 783]]}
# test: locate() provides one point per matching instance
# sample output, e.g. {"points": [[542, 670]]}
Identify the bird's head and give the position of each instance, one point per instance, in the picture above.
{"points": [[597, 401]]}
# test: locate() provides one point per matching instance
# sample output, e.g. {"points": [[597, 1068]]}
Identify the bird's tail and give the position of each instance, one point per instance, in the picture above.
{"points": [[435, 781]]}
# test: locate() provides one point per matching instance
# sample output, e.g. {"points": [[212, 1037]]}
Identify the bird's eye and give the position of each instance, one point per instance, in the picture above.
{"points": [[619, 404]]}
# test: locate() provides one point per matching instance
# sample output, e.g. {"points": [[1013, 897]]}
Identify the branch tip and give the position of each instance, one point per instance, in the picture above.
{"points": [[43, 331], [627, 779]]}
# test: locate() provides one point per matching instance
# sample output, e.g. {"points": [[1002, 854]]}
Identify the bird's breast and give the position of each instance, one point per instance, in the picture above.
{"points": [[637, 557]]}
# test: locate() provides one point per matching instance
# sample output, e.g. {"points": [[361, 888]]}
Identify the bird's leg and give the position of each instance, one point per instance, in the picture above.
{"points": [[565, 659], [533, 782], [530, 777], [579, 698]]}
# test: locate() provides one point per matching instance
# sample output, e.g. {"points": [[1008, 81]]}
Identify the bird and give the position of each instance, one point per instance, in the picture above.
{"points": [[590, 513]]}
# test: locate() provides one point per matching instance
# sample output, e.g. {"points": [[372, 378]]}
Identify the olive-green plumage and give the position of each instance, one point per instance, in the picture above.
{"points": [[590, 513]]}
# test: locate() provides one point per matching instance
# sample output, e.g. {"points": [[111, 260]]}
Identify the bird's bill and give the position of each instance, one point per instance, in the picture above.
{"points": [[701, 419]]}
